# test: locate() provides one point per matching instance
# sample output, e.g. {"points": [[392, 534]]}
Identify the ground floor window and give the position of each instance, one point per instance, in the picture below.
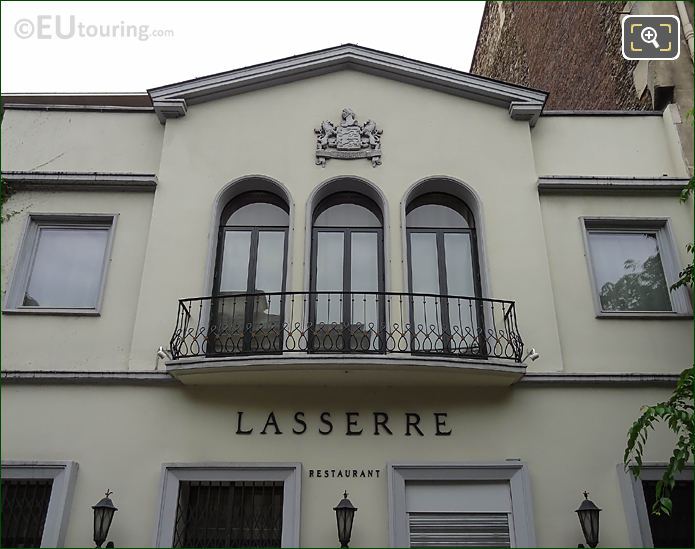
{"points": [[675, 530], [24, 508], [229, 514], [647, 530], [35, 497], [459, 514], [464, 505], [229, 505]]}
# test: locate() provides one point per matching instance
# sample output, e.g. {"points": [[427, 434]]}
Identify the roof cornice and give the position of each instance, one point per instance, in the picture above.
{"points": [[583, 184], [523, 103], [80, 181]]}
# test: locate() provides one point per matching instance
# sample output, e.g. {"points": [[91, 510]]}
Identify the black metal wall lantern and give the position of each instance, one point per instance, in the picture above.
{"points": [[344, 514], [588, 519], [103, 515]]}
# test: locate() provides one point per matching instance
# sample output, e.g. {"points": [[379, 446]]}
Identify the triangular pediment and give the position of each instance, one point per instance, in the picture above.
{"points": [[172, 101]]}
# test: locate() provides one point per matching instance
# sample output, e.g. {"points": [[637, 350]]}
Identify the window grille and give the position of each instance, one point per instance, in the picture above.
{"points": [[24, 509], [229, 514]]}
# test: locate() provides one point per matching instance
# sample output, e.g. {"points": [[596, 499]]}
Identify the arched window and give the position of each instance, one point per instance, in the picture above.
{"points": [[443, 265], [247, 305], [347, 274]]}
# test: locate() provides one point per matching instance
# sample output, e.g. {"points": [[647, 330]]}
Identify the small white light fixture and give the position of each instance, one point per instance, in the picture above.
{"points": [[532, 354], [163, 353]]}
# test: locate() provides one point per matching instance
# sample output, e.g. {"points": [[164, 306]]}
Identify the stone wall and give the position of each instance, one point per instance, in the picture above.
{"points": [[571, 49]]}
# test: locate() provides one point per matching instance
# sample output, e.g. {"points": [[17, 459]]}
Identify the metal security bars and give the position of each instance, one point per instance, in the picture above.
{"points": [[346, 322], [229, 514], [24, 509]]}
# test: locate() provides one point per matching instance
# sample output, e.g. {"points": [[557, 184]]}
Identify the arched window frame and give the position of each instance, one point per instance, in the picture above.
{"points": [[345, 292], [445, 191], [226, 225], [444, 200]]}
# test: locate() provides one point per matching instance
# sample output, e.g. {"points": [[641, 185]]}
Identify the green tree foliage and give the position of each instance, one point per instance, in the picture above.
{"points": [[685, 277], [677, 413]]}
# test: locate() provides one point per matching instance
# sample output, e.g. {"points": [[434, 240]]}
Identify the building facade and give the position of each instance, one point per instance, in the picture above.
{"points": [[341, 271], [573, 51]]}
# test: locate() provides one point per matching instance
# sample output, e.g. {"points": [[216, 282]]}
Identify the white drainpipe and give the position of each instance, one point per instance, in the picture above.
{"points": [[687, 27]]}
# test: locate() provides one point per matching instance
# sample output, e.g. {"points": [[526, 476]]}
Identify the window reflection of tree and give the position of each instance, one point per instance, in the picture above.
{"points": [[641, 288]]}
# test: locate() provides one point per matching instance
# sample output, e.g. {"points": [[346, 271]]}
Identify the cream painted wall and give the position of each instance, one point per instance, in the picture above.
{"points": [[571, 438], [639, 146], [270, 132], [80, 141], [591, 344], [47, 342]]}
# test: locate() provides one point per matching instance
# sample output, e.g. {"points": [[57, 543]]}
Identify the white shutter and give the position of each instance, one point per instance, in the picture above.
{"points": [[459, 529]]}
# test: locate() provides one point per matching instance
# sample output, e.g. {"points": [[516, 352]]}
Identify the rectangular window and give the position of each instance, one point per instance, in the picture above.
{"points": [[646, 529], [229, 514], [24, 509], [675, 530], [61, 264], [459, 514], [228, 505], [460, 505], [633, 265], [35, 500]]}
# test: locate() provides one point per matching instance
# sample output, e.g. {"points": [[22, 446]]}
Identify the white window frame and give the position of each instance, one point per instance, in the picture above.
{"points": [[173, 473], [26, 253], [681, 306], [63, 474], [636, 513], [513, 471]]}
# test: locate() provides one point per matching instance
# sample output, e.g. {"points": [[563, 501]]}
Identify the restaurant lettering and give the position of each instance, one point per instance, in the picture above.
{"points": [[344, 473], [348, 423]]}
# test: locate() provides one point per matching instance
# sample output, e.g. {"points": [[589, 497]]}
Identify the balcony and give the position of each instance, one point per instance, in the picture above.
{"points": [[347, 332]]}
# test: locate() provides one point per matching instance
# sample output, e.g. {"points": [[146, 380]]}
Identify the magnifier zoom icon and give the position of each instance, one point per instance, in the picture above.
{"points": [[648, 35]]}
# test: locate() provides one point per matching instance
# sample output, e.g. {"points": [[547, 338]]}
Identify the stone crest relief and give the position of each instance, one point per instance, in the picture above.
{"points": [[348, 140]]}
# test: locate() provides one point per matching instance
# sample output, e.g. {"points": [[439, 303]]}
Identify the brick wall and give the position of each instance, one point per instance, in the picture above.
{"points": [[570, 49]]}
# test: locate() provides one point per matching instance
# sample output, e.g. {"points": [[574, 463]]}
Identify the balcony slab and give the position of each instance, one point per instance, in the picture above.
{"points": [[345, 370]]}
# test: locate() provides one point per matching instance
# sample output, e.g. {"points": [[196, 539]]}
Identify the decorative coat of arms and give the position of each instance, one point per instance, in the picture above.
{"points": [[348, 140]]}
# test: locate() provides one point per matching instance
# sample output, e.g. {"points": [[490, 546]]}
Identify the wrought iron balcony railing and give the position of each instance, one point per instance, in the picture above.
{"points": [[346, 322]]}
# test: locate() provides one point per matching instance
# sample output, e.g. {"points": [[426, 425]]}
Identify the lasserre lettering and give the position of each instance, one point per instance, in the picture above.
{"points": [[409, 424]]}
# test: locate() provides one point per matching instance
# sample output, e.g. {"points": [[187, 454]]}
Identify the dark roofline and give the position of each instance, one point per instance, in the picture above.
{"points": [[348, 44], [81, 99], [173, 100]]}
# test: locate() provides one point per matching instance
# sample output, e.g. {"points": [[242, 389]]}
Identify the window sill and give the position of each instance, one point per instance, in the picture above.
{"points": [[53, 312], [647, 316]]}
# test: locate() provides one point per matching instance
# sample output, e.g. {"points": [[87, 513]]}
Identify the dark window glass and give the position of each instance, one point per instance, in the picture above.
{"points": [[347, 275], [629, 272], [67, 268], [24, 509], [443, 263], [347, 210], [229, 514], [247, 307], [677, 529], [254, 209], [439, 210]]}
